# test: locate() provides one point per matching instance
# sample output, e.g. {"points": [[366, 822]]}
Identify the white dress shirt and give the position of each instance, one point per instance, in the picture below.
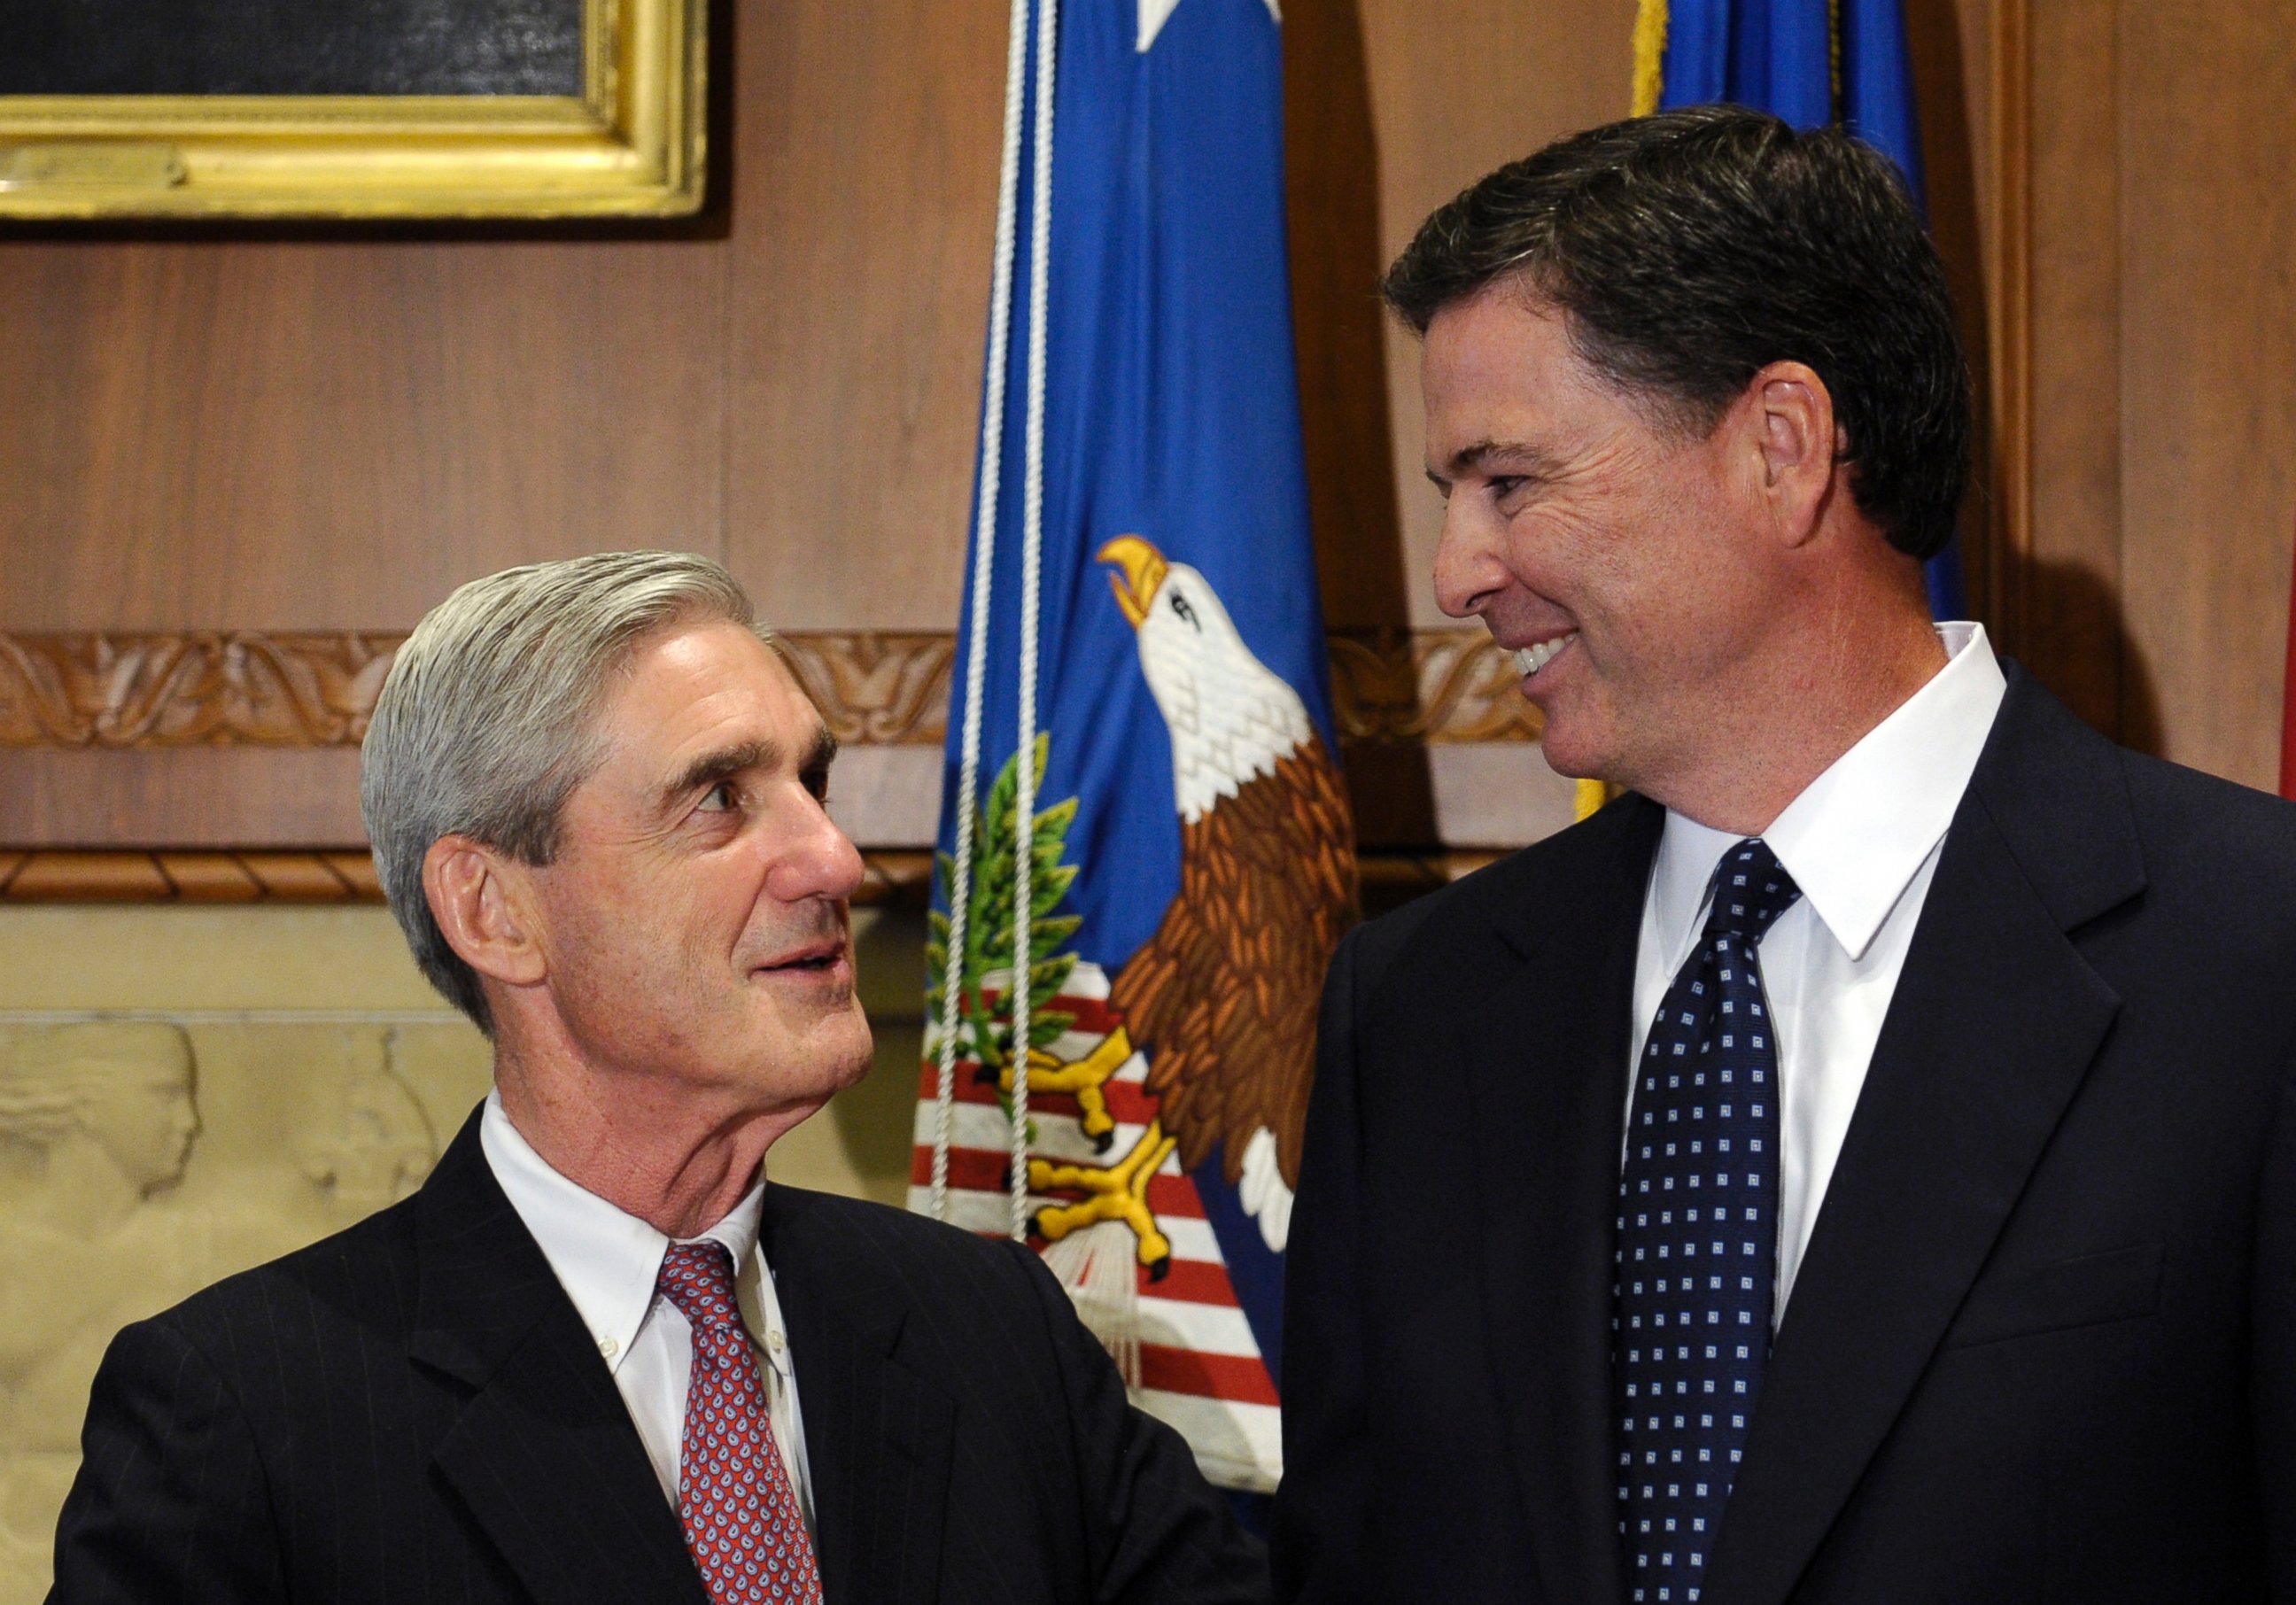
{"points": [[608, 1262], [1862, 841]]}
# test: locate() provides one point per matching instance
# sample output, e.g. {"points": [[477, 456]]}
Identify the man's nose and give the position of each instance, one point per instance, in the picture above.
{"points": [[1467, 569], [819, 860]]}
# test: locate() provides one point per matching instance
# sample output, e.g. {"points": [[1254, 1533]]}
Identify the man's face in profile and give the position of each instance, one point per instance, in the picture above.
{"points": [[694, 923], [1598, 542]]}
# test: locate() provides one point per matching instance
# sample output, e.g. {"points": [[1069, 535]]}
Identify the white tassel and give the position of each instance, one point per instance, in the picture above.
{"points": [[984, 555], [1097, 1267], [1033, 547]]}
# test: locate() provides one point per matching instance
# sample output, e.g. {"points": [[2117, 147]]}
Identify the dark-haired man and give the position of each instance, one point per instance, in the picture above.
{"points": [[1858, 1163]]}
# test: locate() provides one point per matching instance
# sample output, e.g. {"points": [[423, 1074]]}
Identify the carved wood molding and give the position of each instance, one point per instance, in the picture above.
{"points": [[1390, 687], [192, 689], [123, 876], [878, 688], [1410, 688], [891, 879]]}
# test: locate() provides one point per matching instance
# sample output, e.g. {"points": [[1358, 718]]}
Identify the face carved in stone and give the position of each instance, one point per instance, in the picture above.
{"points": [[128, 1086], [147, 1124]]}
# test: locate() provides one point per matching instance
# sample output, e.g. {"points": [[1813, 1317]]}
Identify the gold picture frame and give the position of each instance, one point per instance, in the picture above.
{"points": [[631, 145]]}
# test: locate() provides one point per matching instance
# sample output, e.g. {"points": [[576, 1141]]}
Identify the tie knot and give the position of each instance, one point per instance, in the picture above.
{"points": [[698, 1278], [1751, 889]]}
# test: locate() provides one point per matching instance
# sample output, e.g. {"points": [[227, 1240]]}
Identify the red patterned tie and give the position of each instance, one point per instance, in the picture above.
{"points": [[734, 1494]]}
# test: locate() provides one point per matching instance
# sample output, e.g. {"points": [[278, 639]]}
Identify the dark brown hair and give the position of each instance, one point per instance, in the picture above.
{"points": [[1689, 249]]}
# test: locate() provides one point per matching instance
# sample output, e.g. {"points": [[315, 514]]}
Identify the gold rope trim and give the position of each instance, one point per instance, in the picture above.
{"points": [[1650, 79]]}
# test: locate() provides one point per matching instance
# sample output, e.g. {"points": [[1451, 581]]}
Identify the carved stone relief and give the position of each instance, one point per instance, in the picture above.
{"points": [[140, 1161]]}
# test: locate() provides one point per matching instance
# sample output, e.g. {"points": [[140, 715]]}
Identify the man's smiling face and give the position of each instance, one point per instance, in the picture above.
{"points": [[693, 920], [1606, 549]]}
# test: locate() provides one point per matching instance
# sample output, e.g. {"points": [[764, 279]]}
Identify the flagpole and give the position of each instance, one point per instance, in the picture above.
{"points": [[992, 464], [1033, 550]]}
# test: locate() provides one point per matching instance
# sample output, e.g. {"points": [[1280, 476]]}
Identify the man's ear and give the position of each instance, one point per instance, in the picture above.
{"points": [[484, 902], [1797, 441]]}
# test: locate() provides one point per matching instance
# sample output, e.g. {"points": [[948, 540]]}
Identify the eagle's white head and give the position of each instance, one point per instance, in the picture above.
{"points": [[1231, 717]]}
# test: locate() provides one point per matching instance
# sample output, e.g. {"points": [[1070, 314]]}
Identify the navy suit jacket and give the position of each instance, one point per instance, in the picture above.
{"points": [[411, 1410], [2043, 1344]]}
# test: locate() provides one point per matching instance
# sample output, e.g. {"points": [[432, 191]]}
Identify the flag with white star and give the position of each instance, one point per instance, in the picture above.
{"points": [[1142, 812]]}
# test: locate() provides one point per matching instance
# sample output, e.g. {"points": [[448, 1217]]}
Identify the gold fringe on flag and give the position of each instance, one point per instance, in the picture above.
{"points": [[1833, 58], [1649, 78], [1649, 81], [1594, 793]]}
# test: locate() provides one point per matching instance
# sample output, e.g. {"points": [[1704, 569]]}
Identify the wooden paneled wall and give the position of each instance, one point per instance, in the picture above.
{"points": [[326, 428], [2164, 358]]}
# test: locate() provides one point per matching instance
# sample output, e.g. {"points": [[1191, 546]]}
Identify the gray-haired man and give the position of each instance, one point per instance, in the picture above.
{"points": [[596, 1357]]}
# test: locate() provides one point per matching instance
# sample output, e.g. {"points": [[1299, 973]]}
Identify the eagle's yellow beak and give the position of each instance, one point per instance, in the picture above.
{"points": [[1143, 571]]}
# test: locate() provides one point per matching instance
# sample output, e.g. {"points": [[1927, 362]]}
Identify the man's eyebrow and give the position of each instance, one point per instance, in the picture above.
{"points": [[726, 762], [722, 764], [820, 752], [1507, 453]]}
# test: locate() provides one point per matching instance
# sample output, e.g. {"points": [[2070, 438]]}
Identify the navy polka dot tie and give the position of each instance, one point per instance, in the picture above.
{"points": [[1698, 1238]]}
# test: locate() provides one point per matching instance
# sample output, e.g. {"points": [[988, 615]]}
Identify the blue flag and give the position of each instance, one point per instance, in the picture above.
{"points": [[1141, 763], [1811, 62]]}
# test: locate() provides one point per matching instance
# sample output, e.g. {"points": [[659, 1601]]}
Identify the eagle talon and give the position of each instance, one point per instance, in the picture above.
{"points": [[1082, 1079], [1116, 1193]]}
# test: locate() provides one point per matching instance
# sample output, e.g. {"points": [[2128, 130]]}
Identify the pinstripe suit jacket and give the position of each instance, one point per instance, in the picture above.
{"points": [[411, 1411]]}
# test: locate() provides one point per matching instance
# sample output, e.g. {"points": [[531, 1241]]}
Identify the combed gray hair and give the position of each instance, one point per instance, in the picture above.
{"points": [[485, 724]]}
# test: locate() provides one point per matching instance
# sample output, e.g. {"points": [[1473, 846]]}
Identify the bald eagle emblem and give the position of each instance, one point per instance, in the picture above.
{"points": [[1221, 1000]]}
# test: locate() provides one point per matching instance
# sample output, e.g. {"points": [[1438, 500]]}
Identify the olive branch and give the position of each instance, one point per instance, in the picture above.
{"points": [[986, 1023]]}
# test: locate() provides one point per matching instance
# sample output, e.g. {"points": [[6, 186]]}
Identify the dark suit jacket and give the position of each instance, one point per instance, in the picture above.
{"points": [[2043, 1344], [411, 1411]]}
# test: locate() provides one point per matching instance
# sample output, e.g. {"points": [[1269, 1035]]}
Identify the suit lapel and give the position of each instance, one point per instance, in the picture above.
{"points": [[544, 1454], [1548, 1034], [1995, 1021], [879, 1438]]}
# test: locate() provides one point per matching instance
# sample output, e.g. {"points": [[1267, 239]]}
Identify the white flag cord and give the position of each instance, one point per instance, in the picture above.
{"points": [[1032, 549], [992, 463]]}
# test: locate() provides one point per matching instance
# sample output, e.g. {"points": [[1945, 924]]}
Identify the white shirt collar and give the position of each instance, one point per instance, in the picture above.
{"points": [[1858, 834], [608, 1261]]}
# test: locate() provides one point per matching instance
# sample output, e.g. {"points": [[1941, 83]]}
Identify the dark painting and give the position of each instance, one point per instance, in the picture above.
{"points": [[290, 47]]}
